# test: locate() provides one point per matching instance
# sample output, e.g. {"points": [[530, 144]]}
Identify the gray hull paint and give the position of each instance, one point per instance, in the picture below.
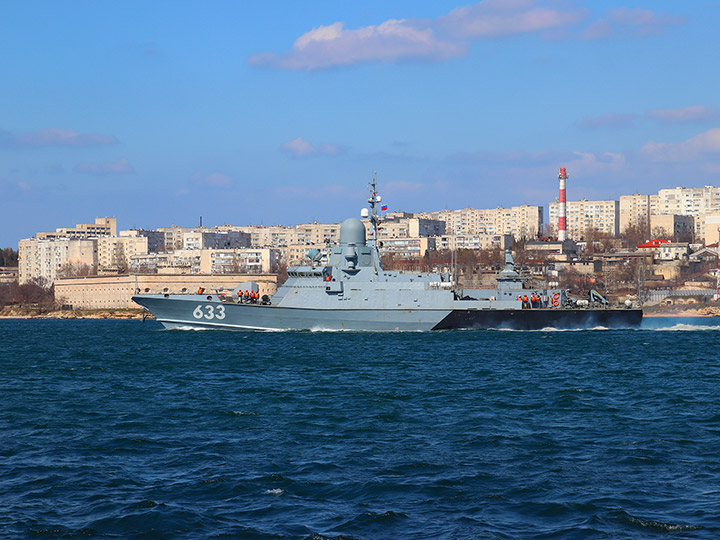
{"points": [[196, 311], [182, 311]]}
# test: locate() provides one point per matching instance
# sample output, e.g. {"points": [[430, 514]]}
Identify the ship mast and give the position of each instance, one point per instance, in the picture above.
{"points": [[374, 222], [373, 201]]}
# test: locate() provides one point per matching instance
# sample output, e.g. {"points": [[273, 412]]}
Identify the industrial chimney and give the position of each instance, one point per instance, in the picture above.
{"points": [[562, 213]]}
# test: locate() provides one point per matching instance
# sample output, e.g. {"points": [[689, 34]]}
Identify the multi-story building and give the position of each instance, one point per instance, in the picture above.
{"points": [[407, 227], [46, 258], [634, 211], [687, 201], [477, 241], [179, 261], [679, 201], [155, 239], [407, 248], [584, 216], [277, 236], [672, 226], [523, 221], [50, 253], [707, 227], [176, 237], [105, 226], [114, 253], [245, 261]]}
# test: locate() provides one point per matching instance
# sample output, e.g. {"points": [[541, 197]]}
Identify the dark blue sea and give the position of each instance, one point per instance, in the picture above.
{"points": [[119, 429]]}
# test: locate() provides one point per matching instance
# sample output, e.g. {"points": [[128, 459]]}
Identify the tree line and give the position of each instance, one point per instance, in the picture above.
{"points": [[8, 257]]}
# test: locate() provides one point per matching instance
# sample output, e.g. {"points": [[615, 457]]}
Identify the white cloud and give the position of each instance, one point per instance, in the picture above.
{"points": [[333, 45], [499, 18], [702, 145], [608, 121], [301, 148], [55, 137], [446, 37], [630, 21], [121, 166], [213, 180], [695, 113]]}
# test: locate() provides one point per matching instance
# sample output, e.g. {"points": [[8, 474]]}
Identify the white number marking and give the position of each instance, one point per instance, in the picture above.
{"points": [[211, 312]]}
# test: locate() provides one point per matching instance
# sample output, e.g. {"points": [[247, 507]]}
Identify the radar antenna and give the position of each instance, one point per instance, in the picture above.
{"points": [[374, 218]]}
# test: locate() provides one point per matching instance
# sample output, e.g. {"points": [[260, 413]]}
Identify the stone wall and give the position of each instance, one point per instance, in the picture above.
{"points": [[112, 292]]}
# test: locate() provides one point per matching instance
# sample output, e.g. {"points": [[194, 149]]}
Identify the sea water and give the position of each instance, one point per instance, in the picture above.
{"points": [[120, 429]]}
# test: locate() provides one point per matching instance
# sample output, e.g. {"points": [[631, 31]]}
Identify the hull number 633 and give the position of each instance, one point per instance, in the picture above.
{"points": [[209, 312]]}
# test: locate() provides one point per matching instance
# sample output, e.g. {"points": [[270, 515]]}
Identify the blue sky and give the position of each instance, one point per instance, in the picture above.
{"points": [[158, 113]]}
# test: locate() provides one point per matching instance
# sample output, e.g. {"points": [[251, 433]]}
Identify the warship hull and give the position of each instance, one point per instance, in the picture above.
{"points": [[196, 311]]}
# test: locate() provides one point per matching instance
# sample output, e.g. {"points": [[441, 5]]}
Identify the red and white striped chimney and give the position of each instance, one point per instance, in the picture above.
{"points": [[562, 213]]}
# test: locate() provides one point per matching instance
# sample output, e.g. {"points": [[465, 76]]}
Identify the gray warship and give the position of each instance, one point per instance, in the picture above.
{"points": [[345, 287]]}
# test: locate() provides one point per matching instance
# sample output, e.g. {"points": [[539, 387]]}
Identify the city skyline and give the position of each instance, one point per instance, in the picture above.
{"points": [[276, 114]]}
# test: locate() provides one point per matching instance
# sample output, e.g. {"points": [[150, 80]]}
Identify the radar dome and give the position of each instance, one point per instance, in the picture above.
{"points": [[352, 231]]}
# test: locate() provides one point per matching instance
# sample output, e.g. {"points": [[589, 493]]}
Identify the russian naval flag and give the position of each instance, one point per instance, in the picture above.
{"points": [[383, 208]]}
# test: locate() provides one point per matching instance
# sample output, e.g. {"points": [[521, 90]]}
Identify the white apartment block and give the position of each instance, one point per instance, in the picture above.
{"points": [[707, 227], [687, 201], [678, 201], [233, 261], [207, 261], [520, 221], [277, 236], [114, 253], [43, 258], [407, 227], [634, 210], [177, 237], [672, 225], [48, 252], [584, 215], [102, 227], [478, 241], [179, 261], [407, 248]]}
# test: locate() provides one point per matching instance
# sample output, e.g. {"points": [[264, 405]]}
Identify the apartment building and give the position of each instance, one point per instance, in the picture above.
{"points": [[407, 248], [672, 226], [584, 215], [47, 253], [707, 227], [406, 227], [105, 226], [523, 221], [44, 258], [687, 201], [114, 253], [635, 210], [277, 236], [246, 261], [477, 241]]}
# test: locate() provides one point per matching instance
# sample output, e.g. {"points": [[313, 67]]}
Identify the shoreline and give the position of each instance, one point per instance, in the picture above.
{"points": [[117, 314]]}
